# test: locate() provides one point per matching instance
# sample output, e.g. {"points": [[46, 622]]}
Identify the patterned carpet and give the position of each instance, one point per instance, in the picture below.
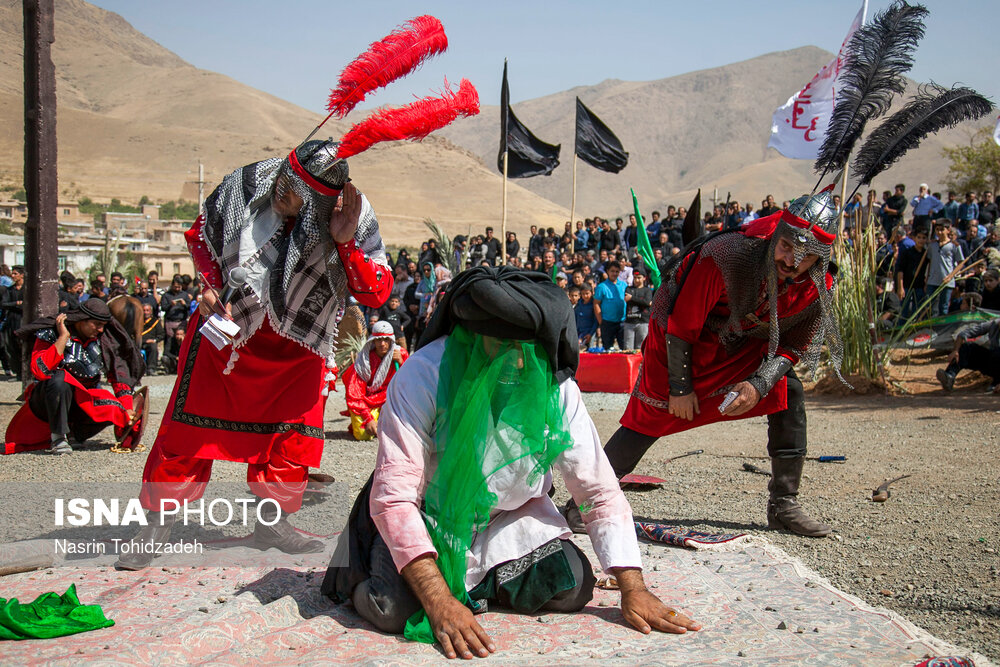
{"points": [[758, 606]]}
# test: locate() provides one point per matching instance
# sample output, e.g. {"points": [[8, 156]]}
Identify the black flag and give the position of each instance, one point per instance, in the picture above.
{"points": [[596, 144], [527, 155], [693, 225]]}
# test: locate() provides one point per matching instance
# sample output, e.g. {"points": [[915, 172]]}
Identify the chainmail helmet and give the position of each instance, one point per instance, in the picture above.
{"points": [[816, 214], [315, 173], [811, 226]]}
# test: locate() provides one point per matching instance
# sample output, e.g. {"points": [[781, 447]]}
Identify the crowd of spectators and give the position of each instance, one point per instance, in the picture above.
{"points": [[935, 256], [929, 253], [165, 312]]}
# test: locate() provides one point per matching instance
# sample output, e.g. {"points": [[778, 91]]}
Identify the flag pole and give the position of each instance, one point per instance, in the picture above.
{"points": [[572, 204], [843, 204], [503, 219]]}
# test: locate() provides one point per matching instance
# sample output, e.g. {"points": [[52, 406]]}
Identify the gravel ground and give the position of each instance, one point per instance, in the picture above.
{"points": [[929, 553]]}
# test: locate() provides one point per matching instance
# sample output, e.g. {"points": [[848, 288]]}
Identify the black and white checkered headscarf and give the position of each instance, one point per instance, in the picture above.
{"points": [[296, 278]]}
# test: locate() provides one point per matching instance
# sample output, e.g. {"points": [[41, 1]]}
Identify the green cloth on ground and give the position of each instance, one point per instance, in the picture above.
{"points": [[51, 615], [497, 404]]}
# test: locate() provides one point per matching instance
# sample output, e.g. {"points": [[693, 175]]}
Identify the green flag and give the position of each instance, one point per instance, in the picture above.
{"points": [[645, 249]]}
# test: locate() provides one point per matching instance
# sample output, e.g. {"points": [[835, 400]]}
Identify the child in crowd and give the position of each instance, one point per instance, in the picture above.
{"points": [[574, 295], [991, 291], [586, 319], [394, 313]]}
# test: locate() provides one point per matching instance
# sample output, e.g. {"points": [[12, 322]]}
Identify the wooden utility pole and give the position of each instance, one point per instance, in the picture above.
{"points": [[41, 261]]}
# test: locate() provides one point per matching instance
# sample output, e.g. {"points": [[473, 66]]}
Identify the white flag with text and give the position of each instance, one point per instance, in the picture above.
{"points": [[799, 126], [996, 132]]}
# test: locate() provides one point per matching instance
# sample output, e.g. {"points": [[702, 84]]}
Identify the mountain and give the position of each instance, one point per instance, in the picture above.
{"points": [[703, 129], [134, 119]]}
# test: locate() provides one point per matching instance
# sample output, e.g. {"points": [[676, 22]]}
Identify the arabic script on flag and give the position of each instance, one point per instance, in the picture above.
{"points": [[799, 126]]}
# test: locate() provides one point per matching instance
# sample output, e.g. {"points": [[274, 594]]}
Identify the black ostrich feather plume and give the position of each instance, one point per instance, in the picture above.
{"points": [[933, 108], [878, 55]]}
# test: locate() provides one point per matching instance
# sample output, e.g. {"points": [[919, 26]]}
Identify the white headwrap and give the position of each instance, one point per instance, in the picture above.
{"points": [[362, 365]]}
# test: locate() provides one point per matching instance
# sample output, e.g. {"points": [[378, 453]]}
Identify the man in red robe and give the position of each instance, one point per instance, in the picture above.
{"points": [[306, 238], [71, 352], [711, 337], [366, 381]]}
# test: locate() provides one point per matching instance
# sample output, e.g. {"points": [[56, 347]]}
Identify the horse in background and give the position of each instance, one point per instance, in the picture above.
{"points": [[128, 311]]}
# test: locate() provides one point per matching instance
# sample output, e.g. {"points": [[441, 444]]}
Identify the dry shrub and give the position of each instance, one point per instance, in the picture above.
{"points": [[830, 385]]}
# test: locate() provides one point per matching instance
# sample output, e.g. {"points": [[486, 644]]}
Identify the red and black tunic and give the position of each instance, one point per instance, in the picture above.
{"points": [[702, 301], [82, 366]]}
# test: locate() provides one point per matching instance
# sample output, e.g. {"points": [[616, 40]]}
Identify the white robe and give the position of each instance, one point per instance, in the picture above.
{"points": [[525, 517]]}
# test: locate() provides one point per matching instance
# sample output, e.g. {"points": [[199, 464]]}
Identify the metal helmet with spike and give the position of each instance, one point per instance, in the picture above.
{"points": [[812, 226], [819, 210]]}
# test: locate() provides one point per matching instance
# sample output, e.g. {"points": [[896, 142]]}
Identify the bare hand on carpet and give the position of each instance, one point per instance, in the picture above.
{"points": [[644, 610], [746, 400], [454, 626]]}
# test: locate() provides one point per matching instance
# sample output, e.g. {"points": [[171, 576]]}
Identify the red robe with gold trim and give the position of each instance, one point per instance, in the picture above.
{"points": [[271, 401]]}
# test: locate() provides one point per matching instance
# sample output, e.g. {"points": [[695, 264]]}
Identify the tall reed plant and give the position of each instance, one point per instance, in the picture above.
{"points": [[855, 301]]}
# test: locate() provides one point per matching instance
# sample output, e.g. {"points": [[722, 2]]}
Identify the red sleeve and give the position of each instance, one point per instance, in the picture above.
{"points": [[203, 262], [700, 293], [370, 283], [45, 358]]}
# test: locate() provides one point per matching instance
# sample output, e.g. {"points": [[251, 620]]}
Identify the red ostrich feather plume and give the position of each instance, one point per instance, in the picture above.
{"points": [[413, 121], [396, 55]]}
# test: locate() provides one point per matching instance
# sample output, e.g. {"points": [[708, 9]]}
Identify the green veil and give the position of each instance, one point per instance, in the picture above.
{"points": [[497, 405]]}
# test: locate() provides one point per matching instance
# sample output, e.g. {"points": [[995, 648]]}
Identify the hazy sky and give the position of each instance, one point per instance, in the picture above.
{"points": [[295, 49]]}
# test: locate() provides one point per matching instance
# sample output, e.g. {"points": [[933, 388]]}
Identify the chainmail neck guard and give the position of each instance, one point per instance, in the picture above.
{"points": [[750, 276]]}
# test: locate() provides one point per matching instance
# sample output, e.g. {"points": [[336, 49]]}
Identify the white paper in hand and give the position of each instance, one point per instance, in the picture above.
{"points": [[219, 331]]}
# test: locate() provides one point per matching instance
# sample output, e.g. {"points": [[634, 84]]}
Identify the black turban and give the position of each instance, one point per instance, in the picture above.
{"points": [[91, 309], [511, 303]]}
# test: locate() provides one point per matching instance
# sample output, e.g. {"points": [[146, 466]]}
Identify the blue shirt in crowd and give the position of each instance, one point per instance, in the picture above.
{"points": [[926, 205], [611, 296], [586, 319], [968, 211]]}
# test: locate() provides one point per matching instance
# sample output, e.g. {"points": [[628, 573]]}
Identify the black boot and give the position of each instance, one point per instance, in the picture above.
{"points": [[946, 376], [156, 531], [281, 535], [783, 510]]}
